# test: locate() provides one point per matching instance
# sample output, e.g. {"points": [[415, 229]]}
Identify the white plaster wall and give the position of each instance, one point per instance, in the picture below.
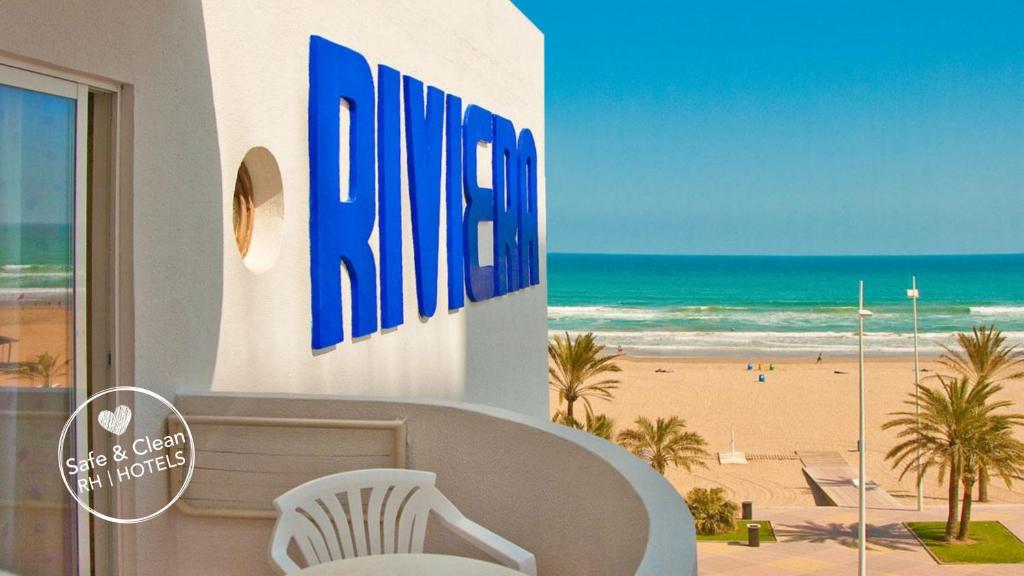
{"points": [[209, 80], [486, 52], [212, 80]]}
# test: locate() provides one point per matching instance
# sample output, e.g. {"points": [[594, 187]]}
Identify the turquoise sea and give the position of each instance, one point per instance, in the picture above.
{"points": [[749, 306], [35, 262]]}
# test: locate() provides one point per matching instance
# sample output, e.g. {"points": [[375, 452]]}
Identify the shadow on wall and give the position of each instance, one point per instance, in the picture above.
{"points": [[179, 206], [178, 236], [820, 498], [524, 362]]}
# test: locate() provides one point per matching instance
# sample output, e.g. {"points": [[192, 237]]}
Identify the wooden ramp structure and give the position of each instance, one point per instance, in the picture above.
{"points": [[837, 481]]}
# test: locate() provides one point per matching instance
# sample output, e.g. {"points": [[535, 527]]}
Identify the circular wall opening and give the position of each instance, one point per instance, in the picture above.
{"points": [[257, 212]]}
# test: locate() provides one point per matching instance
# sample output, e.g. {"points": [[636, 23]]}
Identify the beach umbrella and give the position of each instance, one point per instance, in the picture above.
{"points": [[6, 341]]}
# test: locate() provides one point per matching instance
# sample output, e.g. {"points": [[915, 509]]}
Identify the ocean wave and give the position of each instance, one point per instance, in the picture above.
{"points": [[602, 313], [35, 296], [997, 310], [752, 344], [768, 318], [726, 315], [34, 271], [22, 268], [632, 313], [30, 275]]}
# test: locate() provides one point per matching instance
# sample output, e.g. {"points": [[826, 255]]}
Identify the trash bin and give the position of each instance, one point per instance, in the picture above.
{"points": [[748, 510], [754, 535]]}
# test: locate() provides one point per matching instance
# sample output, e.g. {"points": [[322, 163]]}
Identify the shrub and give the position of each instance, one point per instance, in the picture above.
{"points": [[712, 513]]}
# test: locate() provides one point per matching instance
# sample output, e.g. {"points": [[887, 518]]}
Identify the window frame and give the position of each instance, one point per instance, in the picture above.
{"points": [[94, 556]]}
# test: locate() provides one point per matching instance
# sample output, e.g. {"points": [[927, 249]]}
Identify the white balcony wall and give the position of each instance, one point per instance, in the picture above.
{"points": [[580, 504]]}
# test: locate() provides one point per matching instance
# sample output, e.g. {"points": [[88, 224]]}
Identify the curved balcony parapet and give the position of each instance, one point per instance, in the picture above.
{"points": [[581, 504]]}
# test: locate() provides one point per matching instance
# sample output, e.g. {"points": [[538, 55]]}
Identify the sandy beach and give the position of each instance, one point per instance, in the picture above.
{"points": [[37, 329], [802, 406]]}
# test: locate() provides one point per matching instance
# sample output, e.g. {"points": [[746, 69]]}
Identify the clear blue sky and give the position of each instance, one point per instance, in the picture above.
{"points": [[813, 127]]}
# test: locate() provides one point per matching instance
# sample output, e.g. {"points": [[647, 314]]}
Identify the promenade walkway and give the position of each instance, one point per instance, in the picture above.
{"points": [[823, 541]]}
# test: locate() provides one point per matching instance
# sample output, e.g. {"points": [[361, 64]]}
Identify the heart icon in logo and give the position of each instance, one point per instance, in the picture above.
{"points": [[115, 422]]}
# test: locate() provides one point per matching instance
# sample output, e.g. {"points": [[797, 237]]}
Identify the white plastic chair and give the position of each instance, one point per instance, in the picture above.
{"points": [[328, 519]]}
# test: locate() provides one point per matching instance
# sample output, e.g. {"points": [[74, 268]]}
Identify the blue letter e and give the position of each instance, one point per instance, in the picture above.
{"points": [[339, 231], [477, 127]]}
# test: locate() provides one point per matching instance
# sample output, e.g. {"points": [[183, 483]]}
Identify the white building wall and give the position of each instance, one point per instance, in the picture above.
{"points": [[208, 81], [213, 80], [489, 54]]}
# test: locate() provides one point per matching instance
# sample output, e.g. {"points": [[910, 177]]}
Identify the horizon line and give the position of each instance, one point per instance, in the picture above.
{"points": [[845, 255]]}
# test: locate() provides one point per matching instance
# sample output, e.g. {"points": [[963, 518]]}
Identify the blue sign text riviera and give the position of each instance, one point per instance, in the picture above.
{"points": [[340, 230]]}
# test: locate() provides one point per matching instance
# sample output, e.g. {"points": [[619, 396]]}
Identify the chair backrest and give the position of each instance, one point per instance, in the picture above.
{"points": [[358, 513]]}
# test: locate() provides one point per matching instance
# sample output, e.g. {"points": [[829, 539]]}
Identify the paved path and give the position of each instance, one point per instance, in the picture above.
{"points": [[823, 541], [836, 479]]}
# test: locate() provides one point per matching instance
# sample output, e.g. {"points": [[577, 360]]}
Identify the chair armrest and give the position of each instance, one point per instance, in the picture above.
{"points": [[502, 550], [279, 548]]}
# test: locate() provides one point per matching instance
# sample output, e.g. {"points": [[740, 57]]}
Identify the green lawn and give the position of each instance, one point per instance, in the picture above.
{"points": [[993, 544], [740, 533]]}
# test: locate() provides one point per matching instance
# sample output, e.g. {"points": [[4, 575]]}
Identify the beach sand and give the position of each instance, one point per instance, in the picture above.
{"points": [[803, 406], [38, 329]]}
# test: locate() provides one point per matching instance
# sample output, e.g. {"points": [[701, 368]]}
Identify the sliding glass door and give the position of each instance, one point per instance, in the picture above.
{"points": [[42, 226]]}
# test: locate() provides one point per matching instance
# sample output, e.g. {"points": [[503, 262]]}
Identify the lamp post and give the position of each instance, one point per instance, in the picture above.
{"points": [[913, 293], [862, 532]]}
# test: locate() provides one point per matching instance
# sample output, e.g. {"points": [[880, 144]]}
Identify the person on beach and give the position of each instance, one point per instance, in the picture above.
{"points": [[818, 361]]}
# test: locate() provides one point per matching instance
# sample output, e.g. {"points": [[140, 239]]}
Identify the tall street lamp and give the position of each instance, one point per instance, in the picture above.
{"points": [[862, 532], [913, 293]]}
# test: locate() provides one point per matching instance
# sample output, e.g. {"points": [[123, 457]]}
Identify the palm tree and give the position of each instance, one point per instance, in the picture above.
{"points": [[984, 355], [994, 449], [44, 367], [664, 442], [599, 425], [952, 418], [574, 363]]}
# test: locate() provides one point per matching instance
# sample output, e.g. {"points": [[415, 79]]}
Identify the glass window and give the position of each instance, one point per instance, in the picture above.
{"points": [[38, 518]]}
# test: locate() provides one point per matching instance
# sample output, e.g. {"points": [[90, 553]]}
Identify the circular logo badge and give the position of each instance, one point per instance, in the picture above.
{"points": [[129, 450]]}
